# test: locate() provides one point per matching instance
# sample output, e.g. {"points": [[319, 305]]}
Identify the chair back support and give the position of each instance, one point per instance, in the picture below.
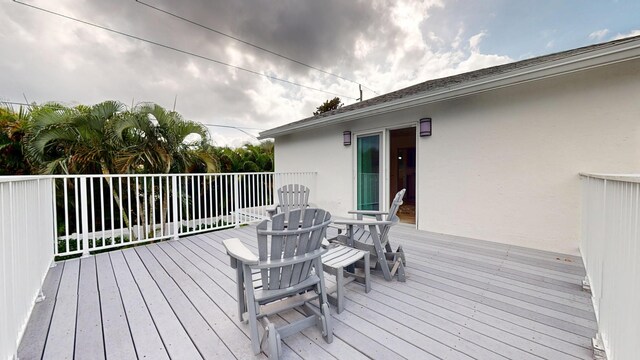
{"points": [[392, 215], [293, 196], [299, 236]]}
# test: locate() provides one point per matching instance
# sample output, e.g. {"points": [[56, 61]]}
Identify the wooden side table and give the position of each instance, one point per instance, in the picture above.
{"points": [[334, 261]]}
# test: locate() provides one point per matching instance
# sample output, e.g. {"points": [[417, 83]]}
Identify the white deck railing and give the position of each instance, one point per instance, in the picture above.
{"points": [[26, 233], [42, 217], [610, 246], [97, 212]]}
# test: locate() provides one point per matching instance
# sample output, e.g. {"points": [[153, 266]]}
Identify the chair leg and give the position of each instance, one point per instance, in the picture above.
{"points": [[242, 303], [367, 273], [401, 275], [381, 257], [327, 324], [254, 334], [322, 289], [340, 289], [398, 267], [325, 319], [387, 247], [274, 343], [401, 252]]}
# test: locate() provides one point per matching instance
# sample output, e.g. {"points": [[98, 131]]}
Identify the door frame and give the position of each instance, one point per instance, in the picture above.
{"points": [[385, 159], [382, 160]]}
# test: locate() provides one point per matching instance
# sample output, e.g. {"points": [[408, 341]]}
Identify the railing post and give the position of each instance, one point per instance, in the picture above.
{"points": [[236, 199], [84, 216], [54, 210], [174, 205]]}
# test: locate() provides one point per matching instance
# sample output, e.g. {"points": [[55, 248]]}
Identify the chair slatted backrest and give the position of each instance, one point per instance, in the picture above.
{"points": [[292, 197], [279, 239], [392, 216]]}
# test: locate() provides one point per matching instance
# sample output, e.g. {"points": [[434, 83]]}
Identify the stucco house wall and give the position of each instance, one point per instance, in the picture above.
{"points": [[501, 165]]}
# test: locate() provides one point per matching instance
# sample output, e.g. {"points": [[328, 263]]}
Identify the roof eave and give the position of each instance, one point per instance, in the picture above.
{"points": [[615, 54]]}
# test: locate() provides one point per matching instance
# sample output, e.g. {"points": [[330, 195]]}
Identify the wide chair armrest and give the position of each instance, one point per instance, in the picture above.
{"points": [[361, 213], [272, 210], [362, 222], [238, 252], [368, 212]]}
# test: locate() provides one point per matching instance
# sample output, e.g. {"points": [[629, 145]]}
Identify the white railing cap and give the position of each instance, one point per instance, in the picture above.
{"points": [[634, 178]]}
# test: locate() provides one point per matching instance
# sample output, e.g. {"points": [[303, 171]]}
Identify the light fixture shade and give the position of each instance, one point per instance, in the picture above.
{"points": [[425, 127], [346, 138]]}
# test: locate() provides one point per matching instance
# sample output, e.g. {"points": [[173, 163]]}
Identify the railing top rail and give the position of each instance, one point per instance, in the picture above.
{"points": [[10, 178], [633, 178], [13, 178]]}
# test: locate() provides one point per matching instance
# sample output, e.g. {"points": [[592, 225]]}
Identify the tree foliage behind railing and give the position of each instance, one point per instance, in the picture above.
{"points": [[158, 206], [108, 138]]}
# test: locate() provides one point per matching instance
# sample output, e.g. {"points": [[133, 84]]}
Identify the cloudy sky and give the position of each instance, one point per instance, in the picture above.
{"points": [[384, 45]]}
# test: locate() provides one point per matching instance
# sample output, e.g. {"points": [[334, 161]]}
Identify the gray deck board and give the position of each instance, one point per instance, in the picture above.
{"points": [[215, 283], [500, 258], [215, 304], [570, 287], [200, 332], [547, 261], [61, 337], [435, 290], [507, 293], [35, 335], [466, 319], [499, 277], [89, 338], [146, 338], [174, 335], [118, 342], [463, 299]]}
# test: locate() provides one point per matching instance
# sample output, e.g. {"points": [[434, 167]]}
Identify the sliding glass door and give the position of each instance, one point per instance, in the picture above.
{"points": [[368, 172]]}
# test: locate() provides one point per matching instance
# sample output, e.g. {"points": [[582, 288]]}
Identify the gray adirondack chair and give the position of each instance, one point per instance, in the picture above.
{"points": [[373, 236], [286, 274], [290, 197]]}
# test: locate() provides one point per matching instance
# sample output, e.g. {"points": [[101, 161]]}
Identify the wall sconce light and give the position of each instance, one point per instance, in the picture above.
{"points": [[425, 127], [346, 138]]}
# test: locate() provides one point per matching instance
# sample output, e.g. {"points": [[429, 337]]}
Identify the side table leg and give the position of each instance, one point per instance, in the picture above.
{"points": [[367, 271], [340, 288]]}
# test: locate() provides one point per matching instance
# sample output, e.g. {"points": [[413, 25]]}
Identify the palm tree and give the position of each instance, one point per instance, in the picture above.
{"points": [[64, 140], [12, 130], [160, 141], [248, 158]]}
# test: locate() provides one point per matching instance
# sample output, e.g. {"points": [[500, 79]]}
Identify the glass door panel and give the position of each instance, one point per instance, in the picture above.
{"points": [[368, 175]]}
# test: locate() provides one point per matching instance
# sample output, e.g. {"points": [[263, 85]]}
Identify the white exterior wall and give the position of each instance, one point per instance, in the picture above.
{"points": [[503, 165]]}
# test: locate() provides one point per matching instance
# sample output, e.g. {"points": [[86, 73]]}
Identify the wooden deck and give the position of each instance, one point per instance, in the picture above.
{"points": [[463, 299]]}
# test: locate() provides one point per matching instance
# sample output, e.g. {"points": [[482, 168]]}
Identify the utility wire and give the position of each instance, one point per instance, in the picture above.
{"points": [[232, 127], [14, 103], [252, 45], [179, 50], [240, 128]]}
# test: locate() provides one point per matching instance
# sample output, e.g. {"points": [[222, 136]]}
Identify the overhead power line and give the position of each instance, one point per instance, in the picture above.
{"points": [[179, 50], [14, 103], [251, 44], [233, 127], [239, 128]]}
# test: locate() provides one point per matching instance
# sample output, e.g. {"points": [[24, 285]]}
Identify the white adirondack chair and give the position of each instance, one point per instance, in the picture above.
{"points": [[373, 236], [290, 197], [286, 274]]}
